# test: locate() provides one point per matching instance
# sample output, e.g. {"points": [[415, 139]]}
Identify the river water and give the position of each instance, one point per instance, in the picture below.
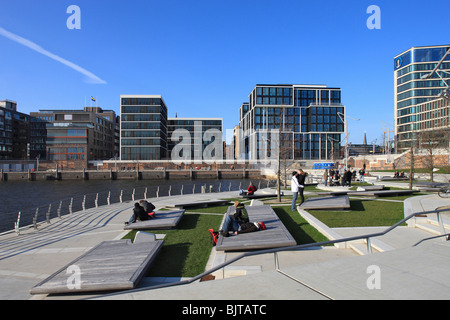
{"points": [[26, 196]]}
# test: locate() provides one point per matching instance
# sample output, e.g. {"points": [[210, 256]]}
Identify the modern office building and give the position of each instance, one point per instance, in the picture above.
{"points": [[194, 147], [83, 135], [14, 132], [418, 88], [311, 119], [143, 127]]}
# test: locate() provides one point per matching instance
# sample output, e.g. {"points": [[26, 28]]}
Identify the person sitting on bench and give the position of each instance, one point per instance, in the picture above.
{"points": [[233, 221], [148, 207], [138, 214], [251, 189]]}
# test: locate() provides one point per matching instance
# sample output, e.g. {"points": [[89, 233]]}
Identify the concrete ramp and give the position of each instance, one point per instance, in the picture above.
{"points": [[110, 266]]}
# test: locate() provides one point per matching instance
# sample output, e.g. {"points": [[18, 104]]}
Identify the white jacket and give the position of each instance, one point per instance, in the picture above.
{"points": [[294, 184]]}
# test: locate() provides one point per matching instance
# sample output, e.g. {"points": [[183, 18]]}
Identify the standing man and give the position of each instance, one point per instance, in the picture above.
{"points": [[294, 189]]}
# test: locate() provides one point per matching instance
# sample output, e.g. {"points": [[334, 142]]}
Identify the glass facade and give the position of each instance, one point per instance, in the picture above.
{"points": [[308, 117], [411, 89], [196, 127], [143, 128]]}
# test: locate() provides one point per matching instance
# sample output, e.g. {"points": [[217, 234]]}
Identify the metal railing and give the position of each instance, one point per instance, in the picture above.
{"points": [[33, 217], [275, 251]]}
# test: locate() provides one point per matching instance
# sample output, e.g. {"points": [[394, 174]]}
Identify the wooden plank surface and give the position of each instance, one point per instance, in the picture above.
{"points": [[276, 235], [110, 266], [194, 204], [163, 220]]}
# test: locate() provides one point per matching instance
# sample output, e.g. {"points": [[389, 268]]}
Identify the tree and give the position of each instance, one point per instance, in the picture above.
{"points": [[430, 142]]}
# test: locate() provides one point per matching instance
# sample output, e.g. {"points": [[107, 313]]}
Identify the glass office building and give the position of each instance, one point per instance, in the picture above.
{"points": [[413, 91], [310, 118], [198, 141], [143, 127]]}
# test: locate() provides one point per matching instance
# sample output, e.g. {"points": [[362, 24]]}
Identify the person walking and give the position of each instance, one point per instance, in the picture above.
{"points": [[294, 189]]}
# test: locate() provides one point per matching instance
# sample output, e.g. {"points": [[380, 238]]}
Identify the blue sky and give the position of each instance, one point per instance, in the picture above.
{"points": [[205, 57]]}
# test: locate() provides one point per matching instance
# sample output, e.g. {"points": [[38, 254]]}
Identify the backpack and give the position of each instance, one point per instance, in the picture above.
{"points": [[214, 235]]}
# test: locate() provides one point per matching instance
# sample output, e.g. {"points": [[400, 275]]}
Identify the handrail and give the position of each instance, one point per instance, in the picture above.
{"points": [[276, 250], [99, 199]]}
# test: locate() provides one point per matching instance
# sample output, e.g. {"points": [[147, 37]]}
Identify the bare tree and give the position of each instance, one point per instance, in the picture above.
{"points": [[430, 142]]}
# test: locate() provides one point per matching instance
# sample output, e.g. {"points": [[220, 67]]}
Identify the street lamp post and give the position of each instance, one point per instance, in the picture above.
{"points": [[343, 118]]}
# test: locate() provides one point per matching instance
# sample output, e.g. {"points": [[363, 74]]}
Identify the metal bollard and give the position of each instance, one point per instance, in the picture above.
{"points": [[17, 223], [35, 218]]}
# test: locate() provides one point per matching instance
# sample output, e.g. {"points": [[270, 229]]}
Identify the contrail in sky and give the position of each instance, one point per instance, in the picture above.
{"points": [[92, 78]]}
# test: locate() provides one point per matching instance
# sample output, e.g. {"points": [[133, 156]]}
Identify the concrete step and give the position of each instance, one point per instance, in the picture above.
{"points": [[429, 227], [360, 248]]}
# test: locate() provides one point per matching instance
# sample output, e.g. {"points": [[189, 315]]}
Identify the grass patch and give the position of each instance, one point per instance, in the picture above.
{"points": [[363, 213], [212, 209], [298, 227], [186, 249]]}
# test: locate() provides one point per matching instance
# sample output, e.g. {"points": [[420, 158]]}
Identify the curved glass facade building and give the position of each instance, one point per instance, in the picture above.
{"points": [[413, 92]]}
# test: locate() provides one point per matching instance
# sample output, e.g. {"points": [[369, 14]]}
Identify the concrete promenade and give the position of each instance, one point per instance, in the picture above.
{"points": [[404, 272]]}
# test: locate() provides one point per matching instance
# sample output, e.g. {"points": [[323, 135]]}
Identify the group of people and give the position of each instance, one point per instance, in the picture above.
{"points": [[399, 174], [334, 178], [238, 222], [142, 211], [298, 186]]}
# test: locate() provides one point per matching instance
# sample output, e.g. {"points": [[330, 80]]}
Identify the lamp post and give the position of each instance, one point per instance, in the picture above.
{"points": [[343, 118], [389, 140]]}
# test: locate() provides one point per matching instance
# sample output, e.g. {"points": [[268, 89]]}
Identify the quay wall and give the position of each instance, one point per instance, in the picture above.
{"points": [[131, 175]]}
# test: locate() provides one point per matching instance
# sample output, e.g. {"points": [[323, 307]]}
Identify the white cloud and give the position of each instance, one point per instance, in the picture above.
{"points": [[91, 78]]}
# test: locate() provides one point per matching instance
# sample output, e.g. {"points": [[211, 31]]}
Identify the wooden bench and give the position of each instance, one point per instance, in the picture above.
{"points": [[276, 235], [199, 204], [163, 220], [259, 196], [110, 266]]}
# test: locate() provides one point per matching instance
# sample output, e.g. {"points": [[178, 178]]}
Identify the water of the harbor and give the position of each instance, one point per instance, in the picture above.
{"points": [[68, 196]]}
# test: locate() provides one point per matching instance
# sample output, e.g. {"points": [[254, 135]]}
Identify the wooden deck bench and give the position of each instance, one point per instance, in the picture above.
{"points": [[163, 220], [110, 266], [276, 235], [199, 204], [260, 196]]}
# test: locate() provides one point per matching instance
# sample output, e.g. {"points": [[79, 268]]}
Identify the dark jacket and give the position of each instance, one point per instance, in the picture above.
{"points": [[301, 179], [139, 213], [248, 227], [148, 206]]}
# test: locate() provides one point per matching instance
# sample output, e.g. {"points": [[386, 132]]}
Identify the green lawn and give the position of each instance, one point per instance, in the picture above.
{"points": [[363, 213], [298, 227], [186, 249]]}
